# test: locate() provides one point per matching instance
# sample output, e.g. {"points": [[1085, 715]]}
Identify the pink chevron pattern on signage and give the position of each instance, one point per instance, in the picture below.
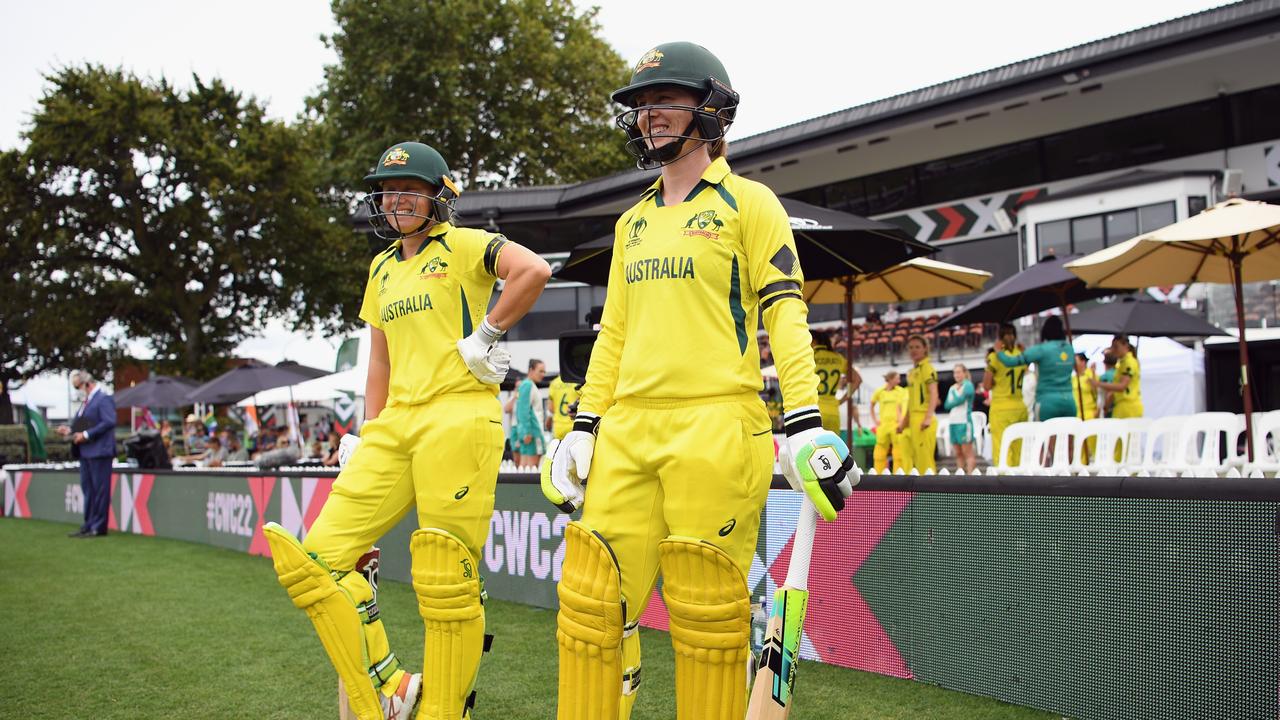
{"points": [[15, 494], [260, 488], [300, 507], [134, 494]]}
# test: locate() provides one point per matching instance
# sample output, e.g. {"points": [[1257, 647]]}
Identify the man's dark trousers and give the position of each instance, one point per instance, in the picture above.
{"points": [[95, 483]]}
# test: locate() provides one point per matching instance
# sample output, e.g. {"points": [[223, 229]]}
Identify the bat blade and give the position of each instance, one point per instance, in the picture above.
{"points": [[775, 683], [771, 696]]}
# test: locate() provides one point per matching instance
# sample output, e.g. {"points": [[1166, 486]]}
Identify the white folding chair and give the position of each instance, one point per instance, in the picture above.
{"points": [[1201, 447], [1164, 433], [1110, 434], [981, 434], [1060, 432], [1029, 457], [1266, 443]]}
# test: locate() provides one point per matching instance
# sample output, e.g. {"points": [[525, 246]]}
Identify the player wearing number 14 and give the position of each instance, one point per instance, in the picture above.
{"points": [[1004, 383]]}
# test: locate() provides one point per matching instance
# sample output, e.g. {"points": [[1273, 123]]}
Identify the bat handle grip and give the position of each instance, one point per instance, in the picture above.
{"points": [[802, 545]]}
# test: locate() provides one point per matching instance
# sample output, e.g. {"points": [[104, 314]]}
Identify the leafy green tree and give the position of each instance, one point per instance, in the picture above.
{"points": [[511, 92], [187, 217]]}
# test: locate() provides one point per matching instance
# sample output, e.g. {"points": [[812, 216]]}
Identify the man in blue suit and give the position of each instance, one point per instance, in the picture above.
{"points": [[94, 440]]}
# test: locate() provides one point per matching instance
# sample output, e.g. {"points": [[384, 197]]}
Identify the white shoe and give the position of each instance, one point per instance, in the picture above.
{"points": [[400, 706]]}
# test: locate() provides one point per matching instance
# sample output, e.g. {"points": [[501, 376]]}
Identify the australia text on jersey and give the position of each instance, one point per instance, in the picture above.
{"points": [[666, 268], [399, 308]]}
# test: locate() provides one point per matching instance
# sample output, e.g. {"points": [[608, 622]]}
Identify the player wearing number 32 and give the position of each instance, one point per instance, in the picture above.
{"points": [[432, 439], [670, 425]]}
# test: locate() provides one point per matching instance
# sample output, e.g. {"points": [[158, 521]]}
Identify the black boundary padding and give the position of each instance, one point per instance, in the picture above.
{"points": [[1151, 488]]}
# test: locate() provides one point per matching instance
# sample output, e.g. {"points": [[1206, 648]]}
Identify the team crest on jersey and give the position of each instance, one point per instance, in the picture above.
{"points": [[435, 268], [635, 231], [699, 223], [382, 284], [398, 156], [651, 59]]}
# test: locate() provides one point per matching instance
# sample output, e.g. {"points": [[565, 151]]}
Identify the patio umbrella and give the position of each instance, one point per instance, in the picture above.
{"points": [[161, 391], [1235, 241], [1132, 316], [915, 279], [241, 382], [830, 243]]}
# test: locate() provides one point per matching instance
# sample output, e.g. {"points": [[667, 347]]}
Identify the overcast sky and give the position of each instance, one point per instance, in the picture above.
{"points": [[790, 61]]}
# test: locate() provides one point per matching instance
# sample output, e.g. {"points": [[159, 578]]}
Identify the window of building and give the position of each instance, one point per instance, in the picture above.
{"points": [[1253, 115], [892, 190], [975, 173], [1083, 235], [1151, 217], [1053, 238]]}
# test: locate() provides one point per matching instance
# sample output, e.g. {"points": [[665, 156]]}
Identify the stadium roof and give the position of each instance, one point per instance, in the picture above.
{"points": [[1133, 47]]}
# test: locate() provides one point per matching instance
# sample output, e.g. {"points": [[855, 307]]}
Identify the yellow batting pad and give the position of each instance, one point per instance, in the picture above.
{"points": [[334, 616], [590, 628], [710, 610], [447, 581]]}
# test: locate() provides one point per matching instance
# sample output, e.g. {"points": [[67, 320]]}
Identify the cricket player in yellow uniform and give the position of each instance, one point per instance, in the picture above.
{"points": [[1128, 380], [671, 427], [1084, 386], [432, 439], [919, 424], [888, 407], [1004, 384], [832, 368], [562, 395]]}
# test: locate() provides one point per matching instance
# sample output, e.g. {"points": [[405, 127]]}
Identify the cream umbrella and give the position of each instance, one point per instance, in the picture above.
{"points": [[915, 279], [1235, 241]]}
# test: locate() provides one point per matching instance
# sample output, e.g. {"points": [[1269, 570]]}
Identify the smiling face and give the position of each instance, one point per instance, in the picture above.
{"points": [[405, 200], [660, 124]]}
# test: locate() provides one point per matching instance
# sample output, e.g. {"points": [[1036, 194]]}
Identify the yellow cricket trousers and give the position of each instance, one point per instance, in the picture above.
{"points": [[887, 435], [697, 468], [923, 442], [441, 455], [1002, 416]]}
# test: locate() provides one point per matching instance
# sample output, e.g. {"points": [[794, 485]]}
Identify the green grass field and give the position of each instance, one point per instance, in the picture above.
{"points": [[130, 627]]}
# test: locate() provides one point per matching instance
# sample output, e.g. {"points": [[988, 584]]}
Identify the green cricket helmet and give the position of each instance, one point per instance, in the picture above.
{"points": [[417, 161], [685, 65]]}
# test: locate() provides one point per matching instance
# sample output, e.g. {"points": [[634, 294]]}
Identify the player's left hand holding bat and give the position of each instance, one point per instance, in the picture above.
{"points": [[816, 462]]}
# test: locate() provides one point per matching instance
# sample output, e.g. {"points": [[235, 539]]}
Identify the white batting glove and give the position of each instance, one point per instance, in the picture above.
{"points": [[347, 448], [816, 462], [570, 463], [482, 356]]}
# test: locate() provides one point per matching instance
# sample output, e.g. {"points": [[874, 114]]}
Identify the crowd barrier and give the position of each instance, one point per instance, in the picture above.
{"points": [[1091, 597]]}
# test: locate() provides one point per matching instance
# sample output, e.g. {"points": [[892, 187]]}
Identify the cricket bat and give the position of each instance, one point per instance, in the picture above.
{"points": [[773, 694], [368, 566]]}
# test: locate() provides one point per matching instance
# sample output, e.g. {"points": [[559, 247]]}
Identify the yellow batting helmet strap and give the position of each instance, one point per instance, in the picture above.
{"points": [[447, 582], [589, 630], [313, 589], [710, 610]]}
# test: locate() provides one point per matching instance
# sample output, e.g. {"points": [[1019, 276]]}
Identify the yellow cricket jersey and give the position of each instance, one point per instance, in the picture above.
{"points": [[831, 367], [919, 378], [562, 395], [1006, 382], [1128, 365], [686, 288], [428, 302], [1086, 392], [889, 402]]}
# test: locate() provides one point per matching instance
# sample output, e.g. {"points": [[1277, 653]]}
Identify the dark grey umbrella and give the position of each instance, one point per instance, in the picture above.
{"points": [[1042, 286], [1149, 318], [239, 383], [831, 244], [158, 391]]}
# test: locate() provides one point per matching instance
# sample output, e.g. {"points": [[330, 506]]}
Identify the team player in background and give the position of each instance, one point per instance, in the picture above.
{"points": [[563, 395], [919, 424], [670, 427], [834, 379], [888, 408], [1126, 388], [432, 438], [1004, 385]]}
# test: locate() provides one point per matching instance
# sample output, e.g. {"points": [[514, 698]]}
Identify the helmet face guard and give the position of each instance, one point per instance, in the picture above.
{"points": [[711, 119]]}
